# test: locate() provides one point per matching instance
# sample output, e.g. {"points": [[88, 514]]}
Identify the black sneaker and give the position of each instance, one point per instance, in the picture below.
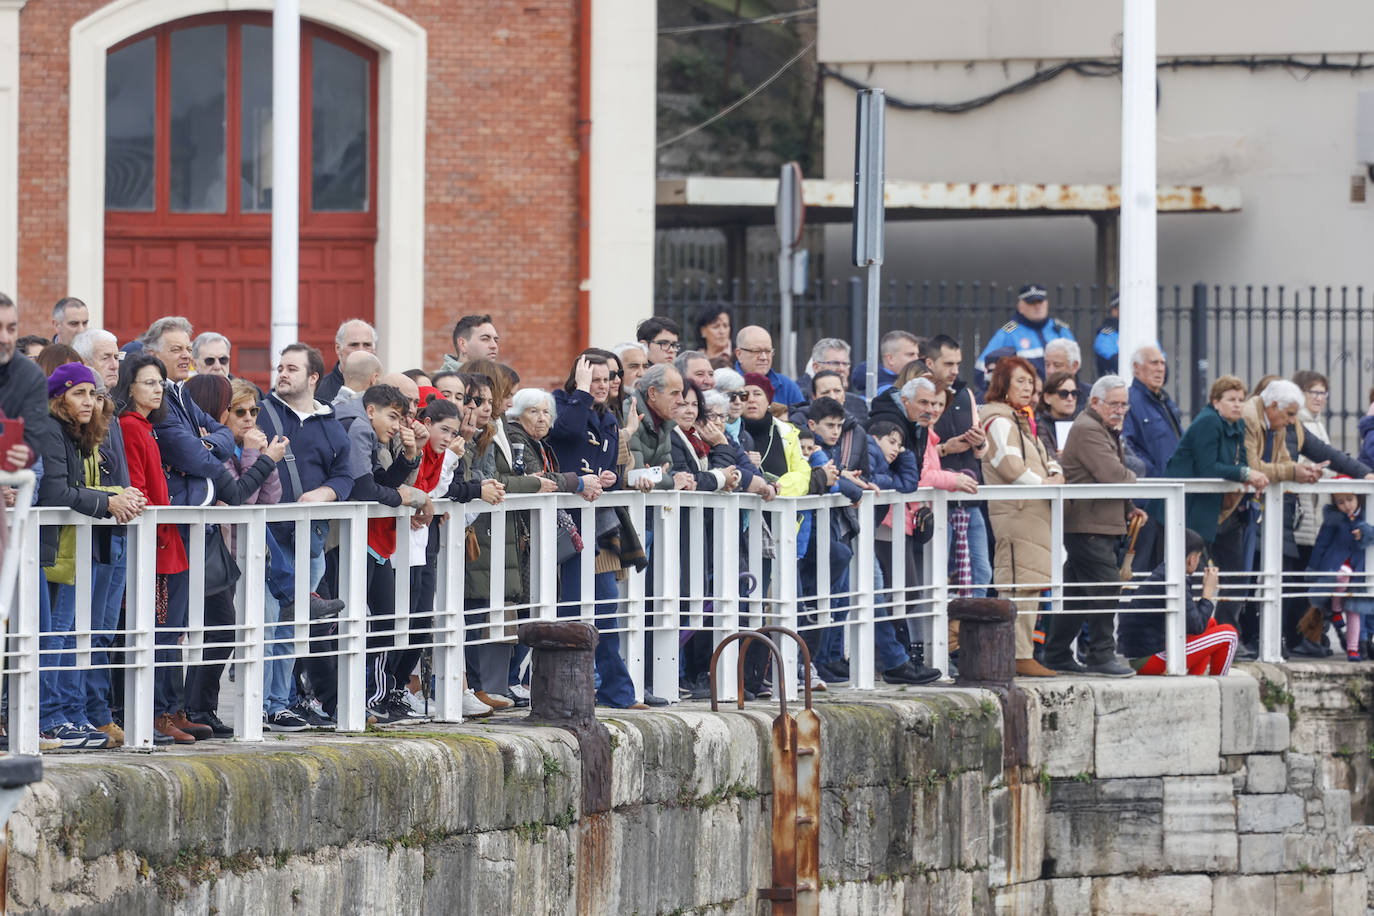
{"points": [[324, 608], [380, 713], [217, 728], [400, 710], [1307, 649], [653, 700], [315, 718], [839, 667], [285, 721], [1066, 665], [908, 673]]}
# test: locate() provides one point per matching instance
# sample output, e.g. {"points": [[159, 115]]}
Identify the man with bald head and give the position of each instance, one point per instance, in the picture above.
{"points": [[361, 370], [353, 335], [754, 353]]}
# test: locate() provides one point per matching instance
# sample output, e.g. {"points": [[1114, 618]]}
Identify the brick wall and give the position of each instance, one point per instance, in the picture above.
{"points": [[501, 171]]}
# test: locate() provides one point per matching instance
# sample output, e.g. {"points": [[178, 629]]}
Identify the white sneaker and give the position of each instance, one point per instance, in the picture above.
{"points": [[416, 703], [473, 708], [520, 691], [816, 682]]}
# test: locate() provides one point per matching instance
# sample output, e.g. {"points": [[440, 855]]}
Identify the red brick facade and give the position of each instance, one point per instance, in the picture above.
{"points": [[501, 172]]}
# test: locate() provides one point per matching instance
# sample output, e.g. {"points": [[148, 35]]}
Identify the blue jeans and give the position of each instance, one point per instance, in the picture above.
{"points": [[277, 682], [980, 566], [616, 688], [62, 688], [107, 595]]}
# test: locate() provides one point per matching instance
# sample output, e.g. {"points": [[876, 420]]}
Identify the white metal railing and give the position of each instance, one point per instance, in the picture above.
{"points": [[686, 587]]}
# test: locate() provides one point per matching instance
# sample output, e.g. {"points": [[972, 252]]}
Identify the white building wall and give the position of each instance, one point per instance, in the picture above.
{"points": [[624, 57], [1286, 139]]}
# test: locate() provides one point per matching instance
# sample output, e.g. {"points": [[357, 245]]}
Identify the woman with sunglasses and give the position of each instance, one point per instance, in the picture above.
{"points": [[234, 405], [1059, 405]]}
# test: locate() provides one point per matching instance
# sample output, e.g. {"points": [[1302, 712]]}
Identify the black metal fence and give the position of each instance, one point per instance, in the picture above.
{"points": [[1206, 330]]}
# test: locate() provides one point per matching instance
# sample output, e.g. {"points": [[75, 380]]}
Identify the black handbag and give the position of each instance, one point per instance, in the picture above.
{"points": [[924, 528], [221, 569]]}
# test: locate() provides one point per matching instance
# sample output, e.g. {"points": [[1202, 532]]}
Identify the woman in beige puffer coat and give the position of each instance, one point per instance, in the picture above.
{"points": [[1016, 456]]}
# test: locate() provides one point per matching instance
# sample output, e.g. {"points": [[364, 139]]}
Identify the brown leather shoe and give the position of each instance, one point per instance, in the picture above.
{"points": [[638, 706], [1029, 667], [164, 724], [115, 732], [493, 701], [195, 730]]}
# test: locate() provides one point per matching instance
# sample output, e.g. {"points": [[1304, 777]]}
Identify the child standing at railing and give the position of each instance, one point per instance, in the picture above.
{"points": [[1341, 543]]}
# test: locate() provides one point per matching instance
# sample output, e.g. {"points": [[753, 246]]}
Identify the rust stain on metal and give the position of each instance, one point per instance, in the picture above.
{"points": [[796, 884], [594, 861]]}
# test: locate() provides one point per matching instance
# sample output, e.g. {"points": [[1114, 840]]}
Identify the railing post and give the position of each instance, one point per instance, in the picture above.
{"points": [[450, 633], [1056, 555], [634, 609], [252, 657], [1176, 575], [352, 622], [865, 600], [1271, 575], [937, 647], [726, 617], [785, 586], [666, 624], [24, 636], [140, 615]]}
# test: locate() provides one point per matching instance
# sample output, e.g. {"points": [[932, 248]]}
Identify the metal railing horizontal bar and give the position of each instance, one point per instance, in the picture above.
{"points": [[698, 545]]}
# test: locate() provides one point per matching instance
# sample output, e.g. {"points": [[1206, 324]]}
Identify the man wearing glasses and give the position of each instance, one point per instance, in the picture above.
{"points": [[210, 353], [659, 338], [754, 353]]}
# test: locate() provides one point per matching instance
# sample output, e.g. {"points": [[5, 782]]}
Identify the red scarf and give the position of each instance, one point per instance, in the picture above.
{"points": [[1030, 417], [431, 463], [698, 444]]}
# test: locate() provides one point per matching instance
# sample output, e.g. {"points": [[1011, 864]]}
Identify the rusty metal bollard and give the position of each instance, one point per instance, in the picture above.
{"points": [[796, 888], [987, 659], [562, 694]]}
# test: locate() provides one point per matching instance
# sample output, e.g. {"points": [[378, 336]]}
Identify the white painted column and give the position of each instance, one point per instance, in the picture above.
{"points": [[9, 147], [624, 57], [1139, 325], [286, 173]]}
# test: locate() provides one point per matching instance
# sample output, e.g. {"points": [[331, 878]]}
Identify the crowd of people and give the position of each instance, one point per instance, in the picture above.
{"points": [[113, 427]]}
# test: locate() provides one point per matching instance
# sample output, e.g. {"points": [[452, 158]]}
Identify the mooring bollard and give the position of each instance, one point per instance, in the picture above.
{"points": [[562, 694], [987, 659]]}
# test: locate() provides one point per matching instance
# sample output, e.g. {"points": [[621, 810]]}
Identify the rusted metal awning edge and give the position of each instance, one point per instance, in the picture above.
{"points": [[726, 194]]}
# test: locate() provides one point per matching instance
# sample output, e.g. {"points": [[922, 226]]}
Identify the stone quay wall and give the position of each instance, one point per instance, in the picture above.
{"points": [[1247, 794]]}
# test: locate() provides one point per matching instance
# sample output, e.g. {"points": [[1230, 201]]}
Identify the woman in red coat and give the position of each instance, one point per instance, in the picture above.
{"points": [[139, 396]]}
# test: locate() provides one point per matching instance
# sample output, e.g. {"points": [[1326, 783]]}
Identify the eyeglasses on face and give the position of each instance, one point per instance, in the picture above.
{"points": [[1065, 392], [665, 344], [738, 396], [718, 417], [242, 412], [758, 351], [474, 400], [615, 374], [215, 360]]}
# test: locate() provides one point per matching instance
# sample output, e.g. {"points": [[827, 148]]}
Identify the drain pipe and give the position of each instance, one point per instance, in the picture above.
{"points": [[584, 174]]}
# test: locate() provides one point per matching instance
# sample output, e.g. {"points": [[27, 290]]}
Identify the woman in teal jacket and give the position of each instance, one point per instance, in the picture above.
{"points": [[1214, 446]]}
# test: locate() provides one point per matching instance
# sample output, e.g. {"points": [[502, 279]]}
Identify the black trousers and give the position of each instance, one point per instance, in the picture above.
{"points": [[202, 681], [401, 662], [1295, 605], [1228, 552], [1091, 558]]}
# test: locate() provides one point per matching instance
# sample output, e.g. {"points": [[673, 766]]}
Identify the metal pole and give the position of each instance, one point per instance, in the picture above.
{"points": [[286, 163], [856, 323], [1198, 329], [871, 338], [1138, 325]]}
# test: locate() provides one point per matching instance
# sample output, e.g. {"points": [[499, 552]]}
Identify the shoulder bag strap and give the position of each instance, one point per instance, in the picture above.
{"points": [[289, 458]]}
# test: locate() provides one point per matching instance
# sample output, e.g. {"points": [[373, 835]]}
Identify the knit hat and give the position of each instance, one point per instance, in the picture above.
{"points": [[427, 394], [754, 378], [67, 376]]}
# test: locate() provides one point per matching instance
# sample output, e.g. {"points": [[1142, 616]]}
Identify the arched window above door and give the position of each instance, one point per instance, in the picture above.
{"points": [[189, 104]]}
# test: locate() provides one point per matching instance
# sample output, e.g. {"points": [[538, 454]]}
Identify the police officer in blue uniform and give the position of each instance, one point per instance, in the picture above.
{"points": [[1106, 344], [1027, 333]]}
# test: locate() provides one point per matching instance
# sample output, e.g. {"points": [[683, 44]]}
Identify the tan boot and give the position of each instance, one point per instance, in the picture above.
{"points": [[1029, 667], [115, 732], [493, 701]]}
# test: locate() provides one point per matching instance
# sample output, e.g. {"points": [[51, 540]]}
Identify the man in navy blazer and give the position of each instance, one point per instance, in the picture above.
{"points": [[1152, 429]]}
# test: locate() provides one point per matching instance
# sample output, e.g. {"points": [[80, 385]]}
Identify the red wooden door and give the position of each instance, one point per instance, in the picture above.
{"points": [[188, 182]]}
